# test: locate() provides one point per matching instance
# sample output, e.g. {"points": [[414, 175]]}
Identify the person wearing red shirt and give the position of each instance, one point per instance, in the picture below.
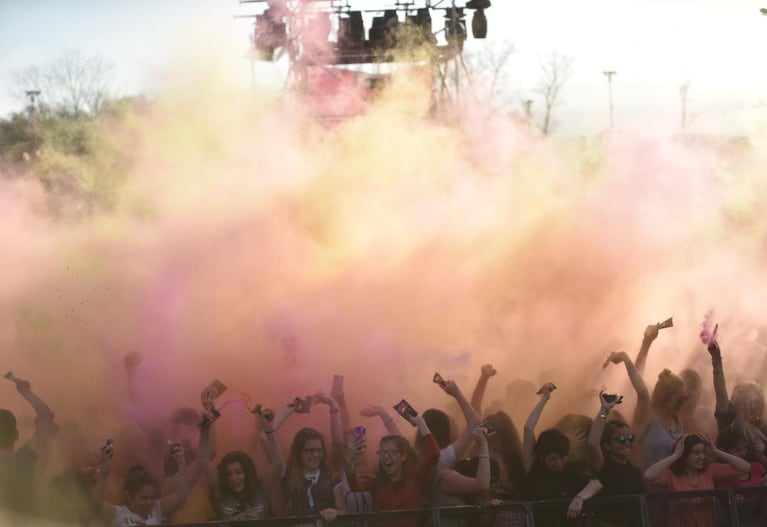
{"points": [[401, 478]]}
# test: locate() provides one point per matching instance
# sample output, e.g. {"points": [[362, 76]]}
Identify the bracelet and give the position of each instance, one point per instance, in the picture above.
{"points": [[483, 457], [269, 431], [334, 411], [603, 416]]}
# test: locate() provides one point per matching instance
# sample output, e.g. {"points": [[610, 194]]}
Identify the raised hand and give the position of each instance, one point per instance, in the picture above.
{"points": [[373, 410], [322, 397], [487, 370], [354, 449], [616, 357], [545, 390], [651, 332]]}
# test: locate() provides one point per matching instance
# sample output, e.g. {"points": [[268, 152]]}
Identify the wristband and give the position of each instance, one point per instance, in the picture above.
{"points": [[483, 457], [269, 431], [334, 411]]}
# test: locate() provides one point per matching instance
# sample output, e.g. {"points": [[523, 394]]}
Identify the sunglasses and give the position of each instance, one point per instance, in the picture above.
{"points": [[622, 439]]}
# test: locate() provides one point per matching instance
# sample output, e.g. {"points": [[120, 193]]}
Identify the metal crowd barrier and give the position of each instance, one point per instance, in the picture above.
{"points": [[745, 507]]}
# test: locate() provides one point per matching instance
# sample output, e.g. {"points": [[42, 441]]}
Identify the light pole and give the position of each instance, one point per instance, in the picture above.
{"points": [[683, 90], [610, 75]]}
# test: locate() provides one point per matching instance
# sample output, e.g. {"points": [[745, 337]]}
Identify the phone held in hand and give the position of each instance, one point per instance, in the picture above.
{"points": [[405, 410], [439, 380], [216, 388], [302, 406], [358, 433], [209, 417], [551, 386], [488, 427], [108, 449], [612, 398]]}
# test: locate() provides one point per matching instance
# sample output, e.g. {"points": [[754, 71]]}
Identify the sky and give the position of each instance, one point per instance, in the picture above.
{"points": [[654, 45]]}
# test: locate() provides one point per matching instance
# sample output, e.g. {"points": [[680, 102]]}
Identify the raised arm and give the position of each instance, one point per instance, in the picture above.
{"points": [[655, 471], [277, 471], [456, 483], [107, 509], [594, 445], [173, 501], [528, 441], [736, 462], [45, 427], [650, 334], [336, 430], [720, 384], [206, 460], [642, 412], [278, 421], [372, 410], [431, 451], [478, 394], [337, 393], [469, 413]]}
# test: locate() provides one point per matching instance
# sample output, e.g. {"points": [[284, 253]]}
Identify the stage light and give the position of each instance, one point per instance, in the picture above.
{"points": [[351, 32], [455, 27], [479, 24]]}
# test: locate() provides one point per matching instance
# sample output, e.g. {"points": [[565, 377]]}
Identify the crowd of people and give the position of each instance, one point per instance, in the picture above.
{"points": [[663, 445]]}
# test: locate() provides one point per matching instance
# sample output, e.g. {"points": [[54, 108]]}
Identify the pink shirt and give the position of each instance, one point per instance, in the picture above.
{"points": [[699, 511], [714, 473], [755, 478]]}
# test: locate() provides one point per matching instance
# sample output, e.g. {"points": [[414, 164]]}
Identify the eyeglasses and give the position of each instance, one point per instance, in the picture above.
{"points": [[313, 450], [387, 453], [622, 439]]}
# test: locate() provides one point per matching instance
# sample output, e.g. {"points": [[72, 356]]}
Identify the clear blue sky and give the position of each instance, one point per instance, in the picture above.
{"points": [[655, 45]]}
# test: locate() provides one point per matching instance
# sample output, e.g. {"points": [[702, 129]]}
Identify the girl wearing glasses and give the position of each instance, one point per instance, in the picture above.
{"points": [[311, 472], [401, 478], [609, 452]]}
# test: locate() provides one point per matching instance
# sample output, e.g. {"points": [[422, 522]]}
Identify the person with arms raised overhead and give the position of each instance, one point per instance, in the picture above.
{"points": [[17, 466]]}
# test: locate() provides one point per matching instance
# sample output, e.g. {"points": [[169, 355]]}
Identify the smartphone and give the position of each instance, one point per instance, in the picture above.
{"points": [[302, 406], [267, 414], [216, 387], [612, 398], [668, 323], [108, 448], [209, 417], [405, 410], [358, 433], [553, 387], [488, 427], [439, 380], [174, 447], [338, 384]]}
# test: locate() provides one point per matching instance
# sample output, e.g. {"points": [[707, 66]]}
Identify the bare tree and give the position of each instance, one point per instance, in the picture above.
{"points": [[74, 84], [555, 71], [489, 67]]}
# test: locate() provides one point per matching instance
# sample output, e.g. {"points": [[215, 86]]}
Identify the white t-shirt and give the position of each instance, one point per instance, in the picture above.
{"points": [[447, 458], [126, 518]]}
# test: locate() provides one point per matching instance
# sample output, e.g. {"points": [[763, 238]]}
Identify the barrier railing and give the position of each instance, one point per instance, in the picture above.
{"points": [[746, 507]]}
